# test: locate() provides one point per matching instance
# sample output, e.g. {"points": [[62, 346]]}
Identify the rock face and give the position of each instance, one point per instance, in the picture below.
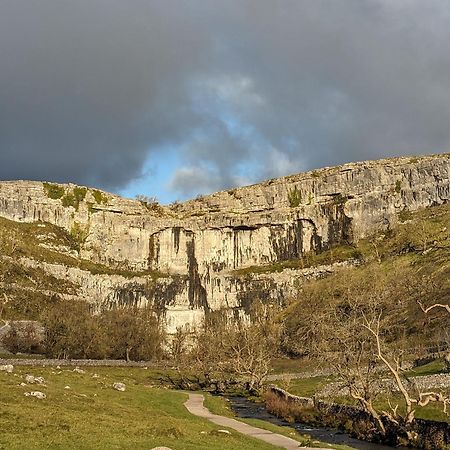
{"points": [[195, 247]]}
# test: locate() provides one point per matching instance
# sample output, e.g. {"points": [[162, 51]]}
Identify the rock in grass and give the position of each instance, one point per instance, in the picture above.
{"points": [[6, 368], [223, 431], [37, 394], [119, 387], [78, 370], [161, 448], [30, 379]]}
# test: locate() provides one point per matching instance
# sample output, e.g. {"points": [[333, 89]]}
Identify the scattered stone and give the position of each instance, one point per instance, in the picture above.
{"points": [[119, 387], [96, 375], [37, 394], [6, 368], [161, 448], [78, 370], [58, 367], [223, 431], [22, 384], [203, 432], [30, 379], [67, 387]]}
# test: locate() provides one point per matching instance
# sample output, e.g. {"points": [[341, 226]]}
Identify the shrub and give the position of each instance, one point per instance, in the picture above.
{"points": [[53, 191], [79, 234], [68, 200], [405, 215], [100, 197], [80, 194], [24, 336], [151, 203], [294, 197]]}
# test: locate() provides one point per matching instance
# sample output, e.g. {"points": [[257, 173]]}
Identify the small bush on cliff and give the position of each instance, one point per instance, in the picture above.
{"points": [[53, 191], [151, 203], [68, 200], [74, 198], [79, 234], [99, 197], [294, 197]]}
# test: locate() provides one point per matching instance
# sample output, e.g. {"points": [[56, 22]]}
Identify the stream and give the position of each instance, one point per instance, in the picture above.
{"points": [[246, 409]]}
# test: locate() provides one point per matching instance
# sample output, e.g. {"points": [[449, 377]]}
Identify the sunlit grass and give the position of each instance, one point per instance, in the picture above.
{"points": [[92, 415]]}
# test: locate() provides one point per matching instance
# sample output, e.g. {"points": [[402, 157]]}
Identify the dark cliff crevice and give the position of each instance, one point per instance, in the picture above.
{"points": [[196, 292], [340, 228]]}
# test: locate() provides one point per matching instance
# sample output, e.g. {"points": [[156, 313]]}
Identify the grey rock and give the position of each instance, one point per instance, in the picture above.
{"points": [[39, 395], [199, 244], [119, 387], [31, 379]]}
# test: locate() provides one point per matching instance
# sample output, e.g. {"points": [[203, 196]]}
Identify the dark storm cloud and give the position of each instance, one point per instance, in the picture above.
{"points": [[242, 89]]}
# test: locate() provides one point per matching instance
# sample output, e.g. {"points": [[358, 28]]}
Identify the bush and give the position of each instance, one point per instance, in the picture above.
{"points": [[99, 197], [24, 337], [53, 191], [79, 234], [294, 197], [73, 331]]}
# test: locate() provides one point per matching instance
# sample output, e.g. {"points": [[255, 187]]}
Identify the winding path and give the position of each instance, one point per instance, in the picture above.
{"points": [[195, 406]]}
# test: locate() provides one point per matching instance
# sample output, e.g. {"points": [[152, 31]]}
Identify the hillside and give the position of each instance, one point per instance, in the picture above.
{"points": [[218, 251]]}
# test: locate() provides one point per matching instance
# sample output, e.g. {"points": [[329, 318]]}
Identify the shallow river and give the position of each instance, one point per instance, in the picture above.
{"points": [[247, 409]]}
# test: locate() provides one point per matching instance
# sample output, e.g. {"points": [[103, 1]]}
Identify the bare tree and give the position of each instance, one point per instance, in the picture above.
{"points": [[3, 303], [235, 350], [411, 400]]}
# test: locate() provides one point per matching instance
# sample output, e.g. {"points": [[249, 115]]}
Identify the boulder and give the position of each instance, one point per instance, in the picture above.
{"points": [[31, 379], [119, 387], [37, 394], [7, 368]]}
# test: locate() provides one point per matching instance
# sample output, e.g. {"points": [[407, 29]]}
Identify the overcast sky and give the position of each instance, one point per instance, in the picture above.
{"points": [[173, 98]]}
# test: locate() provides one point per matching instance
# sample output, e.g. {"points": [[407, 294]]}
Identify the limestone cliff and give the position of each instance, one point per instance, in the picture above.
{"points": [[188, 258]]}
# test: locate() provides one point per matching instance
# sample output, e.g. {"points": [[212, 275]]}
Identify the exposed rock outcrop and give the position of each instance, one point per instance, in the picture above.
{"points": [[196, 246]]}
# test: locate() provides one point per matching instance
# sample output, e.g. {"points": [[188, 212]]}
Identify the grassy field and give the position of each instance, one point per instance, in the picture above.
{"points": [[304, 387], [92, 415]]}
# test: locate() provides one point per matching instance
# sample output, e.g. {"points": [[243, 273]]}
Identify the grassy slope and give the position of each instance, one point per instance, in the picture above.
{"points": [[42, 241], [29, 289], [418, 249], [92, 415]]}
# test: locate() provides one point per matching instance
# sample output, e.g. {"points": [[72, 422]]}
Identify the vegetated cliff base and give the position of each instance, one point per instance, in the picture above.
{"points": [[217, 251]]}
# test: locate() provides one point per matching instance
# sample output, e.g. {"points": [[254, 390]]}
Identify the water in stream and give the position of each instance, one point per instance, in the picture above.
{"points": [[247, 409]]}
